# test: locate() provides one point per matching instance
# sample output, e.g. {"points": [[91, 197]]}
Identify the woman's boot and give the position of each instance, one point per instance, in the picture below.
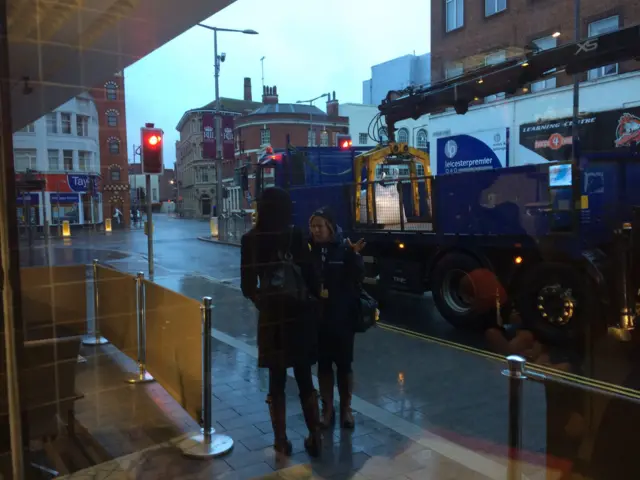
{"points": [[328, 415], [278, 413], [345, 389], [313, 442]]}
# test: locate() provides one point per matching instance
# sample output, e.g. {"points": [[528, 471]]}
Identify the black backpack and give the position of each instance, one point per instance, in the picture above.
{"points": [[283, 283]]}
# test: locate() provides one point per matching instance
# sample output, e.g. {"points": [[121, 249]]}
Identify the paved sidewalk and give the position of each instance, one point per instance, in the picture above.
{"points": [[219, 242]]}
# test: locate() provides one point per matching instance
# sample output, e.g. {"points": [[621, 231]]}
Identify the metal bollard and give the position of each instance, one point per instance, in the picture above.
{"points": [[516, 373], [95, 339], [141, 315], [206, 443]]}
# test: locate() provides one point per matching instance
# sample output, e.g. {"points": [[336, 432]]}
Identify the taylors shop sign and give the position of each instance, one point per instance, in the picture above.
{"points": [[484, 150], [81, 183]]}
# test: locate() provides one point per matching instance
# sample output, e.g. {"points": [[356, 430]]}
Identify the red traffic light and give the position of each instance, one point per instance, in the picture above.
{"points": [[154, 140], [344, 142], [151, 150]]}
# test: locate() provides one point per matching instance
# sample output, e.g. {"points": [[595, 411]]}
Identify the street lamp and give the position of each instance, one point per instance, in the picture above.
{"points": [[218, 60], [312, 136]]}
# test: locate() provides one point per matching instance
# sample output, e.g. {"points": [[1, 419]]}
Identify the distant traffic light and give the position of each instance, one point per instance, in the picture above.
{"points": [[344, 142], [152, 143]]}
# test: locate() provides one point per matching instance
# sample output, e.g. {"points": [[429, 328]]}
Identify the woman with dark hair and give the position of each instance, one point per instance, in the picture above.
{"points": [[342, 271], [287, 334]]}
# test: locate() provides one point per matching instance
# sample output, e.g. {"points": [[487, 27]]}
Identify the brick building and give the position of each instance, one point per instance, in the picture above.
{"points": [[196, 175], [269, 126], [468, 33], [109, 100]]}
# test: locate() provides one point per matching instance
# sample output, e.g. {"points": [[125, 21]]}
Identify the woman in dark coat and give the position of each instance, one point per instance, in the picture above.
{"points": [[287, 335], [342, 270]]}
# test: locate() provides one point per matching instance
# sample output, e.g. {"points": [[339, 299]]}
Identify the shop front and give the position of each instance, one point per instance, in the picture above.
{"points": [[74, 198]]}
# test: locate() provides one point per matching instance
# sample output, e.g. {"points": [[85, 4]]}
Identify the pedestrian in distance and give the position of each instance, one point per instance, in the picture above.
{"points": [[341, 273], [277, 276]]}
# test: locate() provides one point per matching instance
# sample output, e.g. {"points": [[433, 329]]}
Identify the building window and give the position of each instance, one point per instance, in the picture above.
{"points": [[52, 123], [265, 137], [65, 120], [421, 139], [311, 138], [545, 43], [29, 128], [115, 174], [154, 194], [82, 125], [112, 119], [453, 69], [491, 7], [54, 160], [454, 14], [111, 91], [202, 175], [84, 161], [363, 138], [67, 159], [493, 59], [382, 135], [601, 27], [324, 138], [24, 159], [403, 135], [114, 147]]}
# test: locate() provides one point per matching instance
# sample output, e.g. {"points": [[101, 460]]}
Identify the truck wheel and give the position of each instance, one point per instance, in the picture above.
{"points": [[464, 291], [552, 299]]}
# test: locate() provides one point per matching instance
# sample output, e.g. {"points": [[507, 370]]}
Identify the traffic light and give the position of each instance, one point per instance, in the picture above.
{"points": [[344, 142], [152, 143]]}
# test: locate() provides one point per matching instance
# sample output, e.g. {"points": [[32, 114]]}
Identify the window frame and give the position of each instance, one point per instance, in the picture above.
{"points": [[64, 115], [114, 116], [405, 132], [496, 6], [419, 134], [497, 96], [51, 120], [600, 72], [28, 154], [64, 158], [116, 150], [458, 16], [549, 82], [49, 158], [110, 88], [453, 67], [265, 137], [363, 138], [82, 125]]}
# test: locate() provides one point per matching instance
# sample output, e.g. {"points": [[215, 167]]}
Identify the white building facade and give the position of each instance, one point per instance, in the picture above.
{"points": [[396, 74], [63, 148]]}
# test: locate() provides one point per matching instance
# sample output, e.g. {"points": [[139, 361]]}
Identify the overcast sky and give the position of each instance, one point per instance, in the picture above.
{"points": [[311, 47]]}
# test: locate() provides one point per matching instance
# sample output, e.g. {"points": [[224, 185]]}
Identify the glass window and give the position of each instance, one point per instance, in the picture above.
{"points": [[111, 91], [601, 27], [311, 138], [382, 134], [114, 147], [265, 137], [84, 161], [25, 159], [493, 59], [154, 194], [112, 119], [29, 128], [65, 121], [52, 123], [454, 13], [453, 69], [545, 43], [421, 139], [363, 138], [324, 138], [67, 159], [54, 159], [492, 7], [82, 125], [115, 174], [403, 135]]}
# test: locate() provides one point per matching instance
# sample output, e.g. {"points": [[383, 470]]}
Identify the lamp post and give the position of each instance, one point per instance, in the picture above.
{"points": [[312, 137], [218, 60]]}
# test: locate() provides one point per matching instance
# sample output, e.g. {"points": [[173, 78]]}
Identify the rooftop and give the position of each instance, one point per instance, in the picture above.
{"points": [[289, 108]]}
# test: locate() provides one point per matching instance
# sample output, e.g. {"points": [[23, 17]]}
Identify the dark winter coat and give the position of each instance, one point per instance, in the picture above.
{"points": [[341, 272], [284, 339]]}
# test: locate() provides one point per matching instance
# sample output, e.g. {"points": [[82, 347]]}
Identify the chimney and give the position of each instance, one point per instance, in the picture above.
{"points": [[247, 89], [270, 95], [333, 106]]}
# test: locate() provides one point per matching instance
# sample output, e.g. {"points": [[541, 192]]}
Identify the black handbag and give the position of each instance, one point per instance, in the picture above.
{"points": [[367, 313]]}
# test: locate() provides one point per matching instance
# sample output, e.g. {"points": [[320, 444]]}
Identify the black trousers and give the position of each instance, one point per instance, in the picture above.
{"points": [[278, 381]]}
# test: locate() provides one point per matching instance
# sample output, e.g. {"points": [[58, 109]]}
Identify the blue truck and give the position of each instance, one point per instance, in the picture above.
{"points": [[555, 241]]}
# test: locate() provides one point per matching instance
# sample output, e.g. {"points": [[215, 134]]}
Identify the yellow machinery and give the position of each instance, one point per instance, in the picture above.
{"points": [[392, 154]]}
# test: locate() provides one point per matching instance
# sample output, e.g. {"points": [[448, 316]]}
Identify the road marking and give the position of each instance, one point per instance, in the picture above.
{"points": [[461, 455]]}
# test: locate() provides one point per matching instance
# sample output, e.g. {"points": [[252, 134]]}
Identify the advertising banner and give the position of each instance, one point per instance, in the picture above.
{"points": [[228, 144], [484, 150], [63, 198], [611, 131], [82, 183], [208, 136], [30, 198]]}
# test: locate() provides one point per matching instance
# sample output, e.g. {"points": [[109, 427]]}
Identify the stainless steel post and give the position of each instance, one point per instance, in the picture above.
{"points": [[96, 338], [516, 373], [206, 443], [141, 315]]}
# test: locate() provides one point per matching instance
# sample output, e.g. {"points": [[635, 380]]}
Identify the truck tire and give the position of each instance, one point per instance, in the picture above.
{"points": [[552, 299], [461, 299]]}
